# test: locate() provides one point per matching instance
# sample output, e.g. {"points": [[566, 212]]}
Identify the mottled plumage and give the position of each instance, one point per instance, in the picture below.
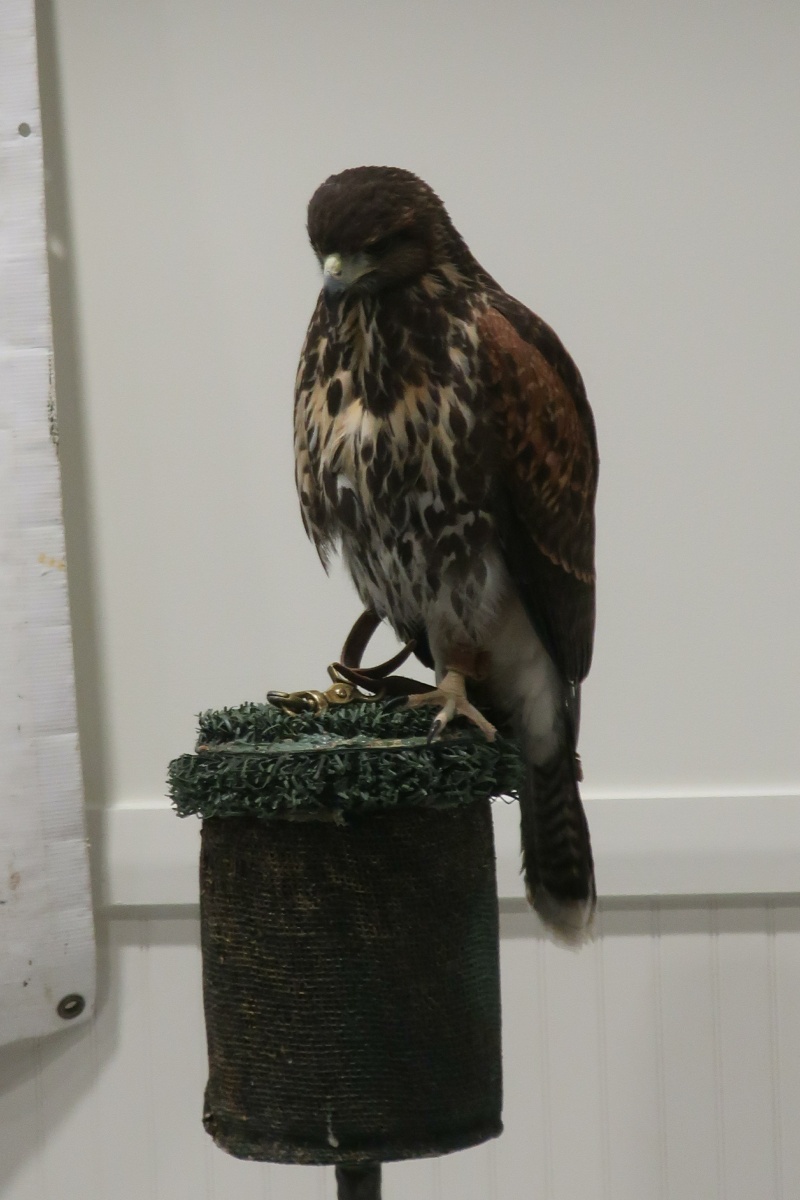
{"points": [[444, 441]]}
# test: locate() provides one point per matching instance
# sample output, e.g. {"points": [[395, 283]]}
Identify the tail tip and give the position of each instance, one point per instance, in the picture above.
{"points": [[569, 922]]}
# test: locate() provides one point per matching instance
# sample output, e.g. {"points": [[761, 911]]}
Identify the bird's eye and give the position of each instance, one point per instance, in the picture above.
{"points": [[390, 242]]}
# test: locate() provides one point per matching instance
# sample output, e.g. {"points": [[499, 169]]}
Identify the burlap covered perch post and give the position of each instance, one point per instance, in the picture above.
{"points": [[349, 935]]}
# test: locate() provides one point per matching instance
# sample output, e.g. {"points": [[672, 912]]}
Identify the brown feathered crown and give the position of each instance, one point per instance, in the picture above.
{"points": [[363, 205]]}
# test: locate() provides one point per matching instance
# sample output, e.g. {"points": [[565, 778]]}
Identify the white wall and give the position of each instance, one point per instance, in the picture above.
{"points": [[631, 171]]}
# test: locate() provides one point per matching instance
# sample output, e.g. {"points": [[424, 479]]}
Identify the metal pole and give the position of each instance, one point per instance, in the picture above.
{"points": [[359, 1183]]}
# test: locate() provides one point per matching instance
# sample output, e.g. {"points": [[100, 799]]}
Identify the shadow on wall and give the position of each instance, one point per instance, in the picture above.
{"points": [[60, 1094], [42, 1081], [21, 1115], [72, 446]]}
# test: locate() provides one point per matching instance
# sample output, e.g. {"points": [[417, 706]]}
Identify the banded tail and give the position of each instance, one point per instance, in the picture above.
{"points": [[556, 849]]}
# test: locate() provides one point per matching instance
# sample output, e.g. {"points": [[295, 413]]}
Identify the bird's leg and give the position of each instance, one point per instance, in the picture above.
{"points": [[451, 694]]}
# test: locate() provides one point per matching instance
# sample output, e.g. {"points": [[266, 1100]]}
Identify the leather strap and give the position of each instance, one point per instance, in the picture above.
{"points": [[379, 679]]}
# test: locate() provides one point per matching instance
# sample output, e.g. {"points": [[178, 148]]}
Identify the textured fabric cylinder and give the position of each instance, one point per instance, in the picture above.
{"points": [[351, 984]]}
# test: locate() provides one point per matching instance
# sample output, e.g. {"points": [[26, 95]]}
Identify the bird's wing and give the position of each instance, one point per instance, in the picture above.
{"points": [[545, 482]]}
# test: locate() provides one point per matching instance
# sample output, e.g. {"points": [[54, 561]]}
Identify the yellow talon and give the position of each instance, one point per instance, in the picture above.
{"points": [[451, 694]]}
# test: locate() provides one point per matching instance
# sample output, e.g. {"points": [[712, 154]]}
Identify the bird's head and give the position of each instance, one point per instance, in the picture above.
{"points": [[375, 228]]}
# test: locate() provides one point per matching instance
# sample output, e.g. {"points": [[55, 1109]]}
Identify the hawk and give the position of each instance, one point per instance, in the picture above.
{"points": [[444, 442]]}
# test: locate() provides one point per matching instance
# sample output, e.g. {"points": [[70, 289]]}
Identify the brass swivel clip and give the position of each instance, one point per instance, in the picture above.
{"points": [[312, 701]]}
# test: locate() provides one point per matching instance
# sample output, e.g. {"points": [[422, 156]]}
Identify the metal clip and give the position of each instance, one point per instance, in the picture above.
{"points": [[312, 701], [292, 703]]}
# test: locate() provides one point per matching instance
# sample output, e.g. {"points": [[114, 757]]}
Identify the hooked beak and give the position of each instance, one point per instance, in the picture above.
{"points": [[332, 283], [340, 272]]}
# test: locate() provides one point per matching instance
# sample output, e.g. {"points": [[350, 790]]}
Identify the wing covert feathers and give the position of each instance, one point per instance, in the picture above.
{"points": [[546, 489]]}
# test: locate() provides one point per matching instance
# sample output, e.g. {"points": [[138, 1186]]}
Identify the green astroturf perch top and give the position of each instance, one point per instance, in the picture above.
{"points": [[256, 760]]}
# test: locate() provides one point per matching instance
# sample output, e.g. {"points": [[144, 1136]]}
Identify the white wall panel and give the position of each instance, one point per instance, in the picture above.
{"points": [[689, 1051], [660, 1063], [631, 171], [171, 970], [744, 984], [570, 1034], [632, 1105], [525, 1152], [786, 1077], [21, 1174], [421, 1178]]}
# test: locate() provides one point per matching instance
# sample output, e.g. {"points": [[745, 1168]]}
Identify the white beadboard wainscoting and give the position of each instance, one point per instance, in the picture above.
{"points": [[661, 1062]]}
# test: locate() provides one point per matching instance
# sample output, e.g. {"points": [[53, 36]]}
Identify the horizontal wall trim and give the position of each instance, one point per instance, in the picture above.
{"points": [[658, 846]]}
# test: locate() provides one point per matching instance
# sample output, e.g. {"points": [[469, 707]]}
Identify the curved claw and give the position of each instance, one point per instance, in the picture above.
{"points": [[438, 724], [442, 719], [451, 694]]}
